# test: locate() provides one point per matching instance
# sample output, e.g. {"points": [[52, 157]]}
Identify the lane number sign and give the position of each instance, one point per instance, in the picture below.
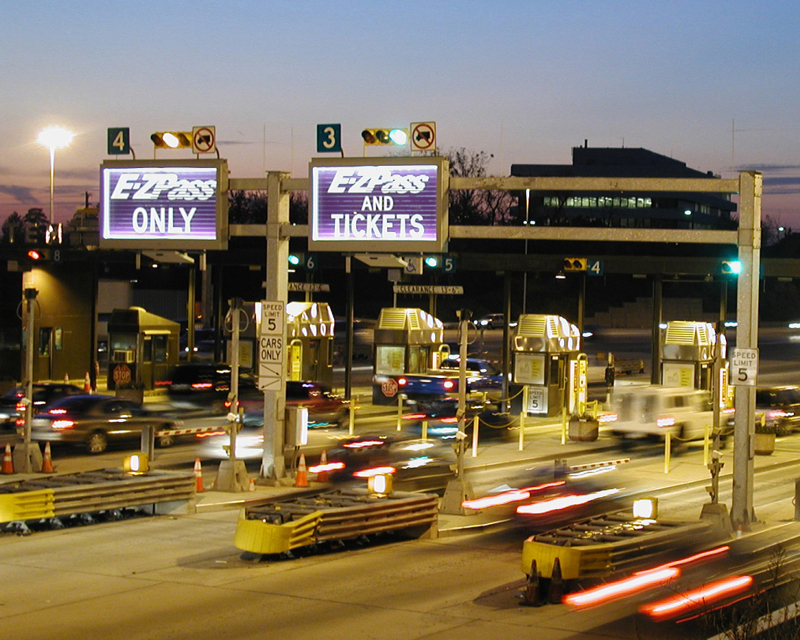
{"points": [[119, 141], [744, 367], [329, 138]]}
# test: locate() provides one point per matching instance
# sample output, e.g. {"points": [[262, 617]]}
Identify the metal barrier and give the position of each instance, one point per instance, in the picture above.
{"points": [[612, 542], [279, 527], [90, 492]]}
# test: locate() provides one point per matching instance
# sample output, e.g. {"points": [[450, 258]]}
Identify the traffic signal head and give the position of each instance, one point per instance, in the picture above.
{"points": [[39, 255], [731, 267], [433, 262], [295, 259], [172, 139], [385, 136], [574, 264]]}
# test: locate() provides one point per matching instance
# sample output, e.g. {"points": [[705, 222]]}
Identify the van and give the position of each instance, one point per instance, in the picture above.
{"points": [[654, 411]]}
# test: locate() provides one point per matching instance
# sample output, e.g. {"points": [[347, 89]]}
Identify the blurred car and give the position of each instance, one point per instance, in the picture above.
{"points": [[780, 407], [441, 414], [204, 385], [96, 421], [653, 411], [414, 464], [44, 394], [491, 321], [325, 408]]}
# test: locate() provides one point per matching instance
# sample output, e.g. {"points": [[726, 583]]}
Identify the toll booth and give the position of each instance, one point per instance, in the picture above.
{"points": [[405, 341], [687, 354], [143, 349], [545, 351], [309, 334]]}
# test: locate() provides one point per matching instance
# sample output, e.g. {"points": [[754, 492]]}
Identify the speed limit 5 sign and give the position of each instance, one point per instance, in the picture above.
{"points": [[744, 367]]}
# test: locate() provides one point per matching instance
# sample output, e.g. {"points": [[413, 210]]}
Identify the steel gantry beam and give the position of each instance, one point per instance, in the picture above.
{"points": [[278, 230]]}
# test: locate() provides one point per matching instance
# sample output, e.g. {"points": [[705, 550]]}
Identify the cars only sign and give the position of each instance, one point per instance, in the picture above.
{"points": [[271, 346]]}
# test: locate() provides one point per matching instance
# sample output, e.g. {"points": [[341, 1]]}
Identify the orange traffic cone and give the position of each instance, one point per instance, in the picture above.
{"points": [[198, 476], [322, 476], [87, 383], [8, 461], [47, 459], [301, 480]]}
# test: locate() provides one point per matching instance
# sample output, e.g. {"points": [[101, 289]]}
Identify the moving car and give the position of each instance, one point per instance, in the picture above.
{"points": [[652, 412], [780, 406], [441, 414], [44, 394], [96, 421], [204, 385], [414, 464], [325, 408]]}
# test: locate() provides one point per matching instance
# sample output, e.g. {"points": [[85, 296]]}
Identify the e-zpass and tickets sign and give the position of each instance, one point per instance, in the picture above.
{"points": [[378, 204]]}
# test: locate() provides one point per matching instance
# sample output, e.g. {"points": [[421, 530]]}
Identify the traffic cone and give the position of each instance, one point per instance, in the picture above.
{"points": [[556, 592], [198, 476], [8, 461], [322, 476], [66, 378], [47, 460], [531, 597], [87, 383], [301, 480]]}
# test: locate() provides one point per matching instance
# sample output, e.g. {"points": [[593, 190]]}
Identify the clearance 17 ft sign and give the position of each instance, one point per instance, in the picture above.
{"points": [[271, 346]]}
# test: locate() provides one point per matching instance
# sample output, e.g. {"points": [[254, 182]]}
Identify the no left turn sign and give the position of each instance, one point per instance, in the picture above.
{"points": [[204, 139], [423, 136]]}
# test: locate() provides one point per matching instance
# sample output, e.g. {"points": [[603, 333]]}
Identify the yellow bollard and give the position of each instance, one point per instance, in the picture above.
{"points": [[399, 411], [706, 444], [475, 424], [564, 424], [424, 429], [351, 428], [522, 417], [667, 448]]}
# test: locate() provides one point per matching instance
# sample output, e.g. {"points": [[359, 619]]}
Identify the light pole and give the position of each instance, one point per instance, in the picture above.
{"points": [[54, 138]]}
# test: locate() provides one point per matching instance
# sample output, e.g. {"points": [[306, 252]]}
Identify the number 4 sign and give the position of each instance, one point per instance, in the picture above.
{"points": [[744, 367], [119, 141]]}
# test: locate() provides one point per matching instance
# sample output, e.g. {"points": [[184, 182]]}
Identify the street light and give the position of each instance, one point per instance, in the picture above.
{"points": [[54, 138]]}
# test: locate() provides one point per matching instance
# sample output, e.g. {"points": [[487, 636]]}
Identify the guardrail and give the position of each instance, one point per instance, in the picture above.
{"points": [[279, 527], [92, 492]]}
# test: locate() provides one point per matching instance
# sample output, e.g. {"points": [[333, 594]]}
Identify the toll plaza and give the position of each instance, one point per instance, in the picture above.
{"points": [[310, 334], [406, 341], [143, 349], [544, 348], [688, 350]]}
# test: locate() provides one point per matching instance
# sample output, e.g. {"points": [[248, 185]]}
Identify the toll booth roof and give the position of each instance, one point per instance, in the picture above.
{"points": [[312, 319], [690, 333], [137, 319], [408, 326], [546, 333]]}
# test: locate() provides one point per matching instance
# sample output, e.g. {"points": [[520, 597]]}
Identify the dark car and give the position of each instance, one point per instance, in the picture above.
{"points": [[204, 385], [95, 421], [325, 408], [780, 406], [44, 394], [414, 464], [441, 415]]}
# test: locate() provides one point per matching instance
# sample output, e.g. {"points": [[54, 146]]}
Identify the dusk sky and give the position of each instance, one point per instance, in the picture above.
{"points": [[713, 84]]}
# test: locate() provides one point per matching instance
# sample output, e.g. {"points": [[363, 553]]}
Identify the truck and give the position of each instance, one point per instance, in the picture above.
{"points": [[482, 376]]}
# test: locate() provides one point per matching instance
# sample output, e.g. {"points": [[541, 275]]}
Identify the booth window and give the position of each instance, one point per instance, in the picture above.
{"points": [[44, 341], [147, 349], [390, 360], [160, 348]]}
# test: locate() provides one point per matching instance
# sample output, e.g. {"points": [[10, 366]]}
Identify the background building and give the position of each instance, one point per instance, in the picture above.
{"points": [[639, 210]]}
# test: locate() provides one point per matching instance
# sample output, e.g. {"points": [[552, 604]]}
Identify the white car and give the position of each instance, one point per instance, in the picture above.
{"points": [[653, 411]]}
